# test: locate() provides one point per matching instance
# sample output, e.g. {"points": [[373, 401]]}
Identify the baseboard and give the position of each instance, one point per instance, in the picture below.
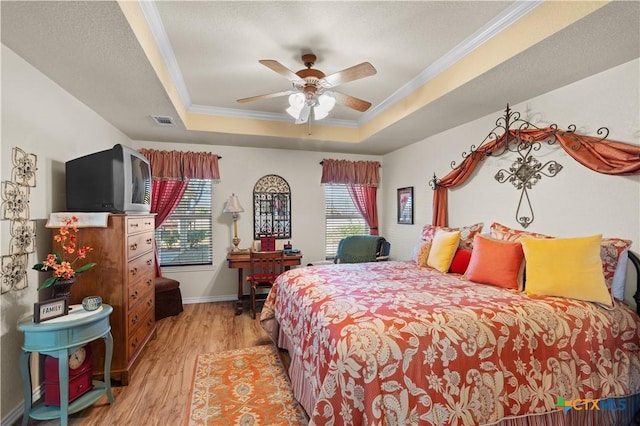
{"points": [[225, 298], [15, 416], [209, 299]]}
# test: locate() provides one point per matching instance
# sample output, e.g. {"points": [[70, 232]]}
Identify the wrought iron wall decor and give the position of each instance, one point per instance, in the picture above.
{"points": [[15, 207], [271, 208], [526, 171]]}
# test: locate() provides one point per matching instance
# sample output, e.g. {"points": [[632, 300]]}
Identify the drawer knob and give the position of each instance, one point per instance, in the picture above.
{"points": [[134, 320], [149, 282], [134, 225], [149, 302], [134, 271], [134, 295], [133, 246], [149, 262], [149, 240]]}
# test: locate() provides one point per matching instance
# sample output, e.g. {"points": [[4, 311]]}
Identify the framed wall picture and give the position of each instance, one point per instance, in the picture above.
{"points": [[405, 205], [50, 309]]}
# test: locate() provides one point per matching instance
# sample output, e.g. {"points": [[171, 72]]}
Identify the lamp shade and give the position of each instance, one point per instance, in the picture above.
{"points": [[296, 101], [233, 205]]}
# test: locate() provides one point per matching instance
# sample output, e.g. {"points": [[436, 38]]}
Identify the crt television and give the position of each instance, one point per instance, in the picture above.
{"points": [[117, 180]]}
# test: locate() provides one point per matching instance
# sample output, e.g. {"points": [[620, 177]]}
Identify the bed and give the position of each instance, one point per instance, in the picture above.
{"points": [[398, 343]]}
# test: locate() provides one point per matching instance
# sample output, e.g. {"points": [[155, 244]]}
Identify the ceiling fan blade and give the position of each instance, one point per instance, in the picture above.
{"points": [[267, 96], [355, 72], [351, 102], [282, 70], [304, 114]]}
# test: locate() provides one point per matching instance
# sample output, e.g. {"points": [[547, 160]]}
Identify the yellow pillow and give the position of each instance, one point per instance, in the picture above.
{"points": [[443, 248], [423, 254], [566, 267]]}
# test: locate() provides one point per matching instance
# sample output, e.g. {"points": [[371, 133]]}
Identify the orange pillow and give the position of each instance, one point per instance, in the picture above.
{"points": [[423, 254], [496, 262]]}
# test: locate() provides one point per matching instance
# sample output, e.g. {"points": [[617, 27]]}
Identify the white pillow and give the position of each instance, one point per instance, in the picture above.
{"points": [[620, 276]]}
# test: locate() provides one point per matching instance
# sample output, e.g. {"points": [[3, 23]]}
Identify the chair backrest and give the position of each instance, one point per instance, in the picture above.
{"points": [[266, 265], [362, 248]]}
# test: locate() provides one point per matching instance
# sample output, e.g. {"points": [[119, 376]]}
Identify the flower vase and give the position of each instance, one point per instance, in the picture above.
{"points": [[62, 288]]}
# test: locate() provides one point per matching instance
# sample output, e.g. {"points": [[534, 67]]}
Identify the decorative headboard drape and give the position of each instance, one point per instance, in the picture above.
{"points": [[598, 154]]}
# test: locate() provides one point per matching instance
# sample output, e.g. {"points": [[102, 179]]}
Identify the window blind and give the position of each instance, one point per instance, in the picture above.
{"points": [[185, 237], [342, 218]]}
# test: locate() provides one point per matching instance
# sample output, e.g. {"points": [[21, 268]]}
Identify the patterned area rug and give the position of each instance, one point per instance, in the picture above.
{"points": [[243, 387]]}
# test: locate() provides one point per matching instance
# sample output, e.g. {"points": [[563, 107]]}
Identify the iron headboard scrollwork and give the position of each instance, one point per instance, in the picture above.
{"points": [[513, 134], [636, 264]]}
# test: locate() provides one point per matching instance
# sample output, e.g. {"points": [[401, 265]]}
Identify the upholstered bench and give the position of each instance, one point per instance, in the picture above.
{"points": [[168, 297]]}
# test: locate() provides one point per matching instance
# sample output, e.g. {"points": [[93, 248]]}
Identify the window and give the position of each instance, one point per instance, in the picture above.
{"points": [[342, 218], [185, 237]]}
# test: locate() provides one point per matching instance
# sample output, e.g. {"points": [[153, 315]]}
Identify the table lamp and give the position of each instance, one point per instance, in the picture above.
{"points": [[233, 206]]}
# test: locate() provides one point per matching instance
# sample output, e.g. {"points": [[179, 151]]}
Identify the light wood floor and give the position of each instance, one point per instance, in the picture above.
{"points": [[159, 388]]}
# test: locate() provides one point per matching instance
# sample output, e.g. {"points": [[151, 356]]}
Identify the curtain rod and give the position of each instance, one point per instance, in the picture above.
{"points": [[322, 162]]}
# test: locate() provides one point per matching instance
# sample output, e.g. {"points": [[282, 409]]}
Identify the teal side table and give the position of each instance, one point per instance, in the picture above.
{"points": [[59, 337]]}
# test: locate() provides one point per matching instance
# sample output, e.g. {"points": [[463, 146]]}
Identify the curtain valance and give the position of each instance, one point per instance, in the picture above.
{"points": [[181, 165], [608, 157], [344, 172]]}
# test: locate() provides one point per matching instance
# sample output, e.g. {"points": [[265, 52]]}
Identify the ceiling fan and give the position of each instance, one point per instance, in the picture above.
{"points": [[311, 88]]}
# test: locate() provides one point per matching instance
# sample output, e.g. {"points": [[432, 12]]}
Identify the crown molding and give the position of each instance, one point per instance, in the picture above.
{"points": [[498, 24], [506, 18]]}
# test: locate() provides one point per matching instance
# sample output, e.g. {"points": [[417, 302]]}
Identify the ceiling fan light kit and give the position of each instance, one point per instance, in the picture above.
{"points": [[322, 105], [310, 89]]}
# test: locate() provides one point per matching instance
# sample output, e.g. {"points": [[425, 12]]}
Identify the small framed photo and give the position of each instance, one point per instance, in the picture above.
{"points": [[405, 205], [50, 309]]}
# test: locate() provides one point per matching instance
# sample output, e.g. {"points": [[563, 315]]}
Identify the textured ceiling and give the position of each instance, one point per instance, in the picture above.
{"points": [[100, 54]]}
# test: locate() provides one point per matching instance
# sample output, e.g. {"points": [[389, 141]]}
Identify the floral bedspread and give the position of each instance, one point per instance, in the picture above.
{"points": [[392, 343]]}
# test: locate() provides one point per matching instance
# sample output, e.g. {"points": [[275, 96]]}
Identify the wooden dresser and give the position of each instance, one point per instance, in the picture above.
{"points": [[124, 278]]}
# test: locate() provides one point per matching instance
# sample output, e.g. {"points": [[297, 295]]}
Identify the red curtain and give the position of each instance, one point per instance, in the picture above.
{"points": [[365, 199], [166, 194], [361, 178], [170, 172], [608, 157], [179, 165], [343, 172]]}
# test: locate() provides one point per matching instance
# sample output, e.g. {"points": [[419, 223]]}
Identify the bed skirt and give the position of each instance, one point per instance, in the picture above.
{"points": [[603, 417]]}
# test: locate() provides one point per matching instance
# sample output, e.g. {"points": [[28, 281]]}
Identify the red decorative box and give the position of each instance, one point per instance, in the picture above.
{"points": [[79, 384], [267, 243], [80, 379]]}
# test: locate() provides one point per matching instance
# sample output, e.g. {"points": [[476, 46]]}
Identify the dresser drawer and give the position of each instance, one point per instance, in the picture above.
{"points": [[139, 244], [140, 289], [140, 333], [140, 266], [140, 224], [140, 313]]}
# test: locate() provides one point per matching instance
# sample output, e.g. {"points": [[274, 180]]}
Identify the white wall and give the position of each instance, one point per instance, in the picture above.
{"points": [[40, 118], [240, 169], [576, 202]]}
